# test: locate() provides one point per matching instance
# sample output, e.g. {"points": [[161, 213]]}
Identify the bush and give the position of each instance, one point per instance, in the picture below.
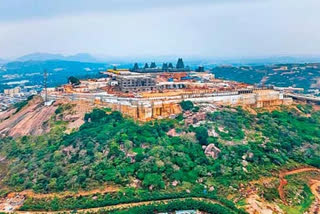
{"points": [[20, 105], [73, 80], [202, 135], [186, 105]]}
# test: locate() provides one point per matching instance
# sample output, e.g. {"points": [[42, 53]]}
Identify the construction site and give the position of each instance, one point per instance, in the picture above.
{"points": [[155, 93]]}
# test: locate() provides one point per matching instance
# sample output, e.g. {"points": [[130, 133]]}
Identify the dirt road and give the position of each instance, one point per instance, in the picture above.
{"points": [[315, 189], [31, 194], [284, 182]]}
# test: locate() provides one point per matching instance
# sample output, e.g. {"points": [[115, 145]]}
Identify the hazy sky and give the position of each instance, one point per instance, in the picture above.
{"points": [[210, 28]]}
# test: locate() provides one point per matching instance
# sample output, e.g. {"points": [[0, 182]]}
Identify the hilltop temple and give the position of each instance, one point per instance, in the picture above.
{"points": [[151, 92]]}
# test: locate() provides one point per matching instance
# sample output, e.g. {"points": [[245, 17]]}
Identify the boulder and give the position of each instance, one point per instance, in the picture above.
{"points": [[136, 183], [244, 163], [175, 183], [212, 151], [172, 133]]}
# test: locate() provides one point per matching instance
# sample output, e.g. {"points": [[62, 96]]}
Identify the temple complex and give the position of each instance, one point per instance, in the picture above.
{"points": [[153, 93]]}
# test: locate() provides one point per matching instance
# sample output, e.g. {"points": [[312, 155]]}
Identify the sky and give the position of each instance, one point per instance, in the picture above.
{"points": [[200, 28]]}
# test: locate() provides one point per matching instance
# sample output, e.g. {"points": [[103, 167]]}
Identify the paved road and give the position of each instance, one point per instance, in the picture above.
{"points": [[304, 98]]}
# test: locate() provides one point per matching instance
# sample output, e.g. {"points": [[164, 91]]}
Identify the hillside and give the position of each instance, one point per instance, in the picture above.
{"points": [[30, 73], [2, 61], [282, 75], [81, 57], [222, 155], [33, 118]]}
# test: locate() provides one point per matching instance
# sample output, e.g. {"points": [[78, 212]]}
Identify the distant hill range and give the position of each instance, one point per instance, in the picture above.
{"points": [[81, 57], [2, 61], [191, 60], [30, 73], [253, 61], [306, 75]]}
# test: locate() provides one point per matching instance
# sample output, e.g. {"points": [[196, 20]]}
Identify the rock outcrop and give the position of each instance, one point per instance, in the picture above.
{"points": [[33, 119], [212, 151], [30, 120]]}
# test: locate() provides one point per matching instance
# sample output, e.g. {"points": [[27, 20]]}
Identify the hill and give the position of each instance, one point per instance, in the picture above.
{"points": [[305, 76], [40, 57], [81, 57], [30, 73], [33, 118], [221, 156], [2, 61]]}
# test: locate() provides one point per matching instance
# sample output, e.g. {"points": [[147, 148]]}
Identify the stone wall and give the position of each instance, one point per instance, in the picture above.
{"points": [[145, 109]]}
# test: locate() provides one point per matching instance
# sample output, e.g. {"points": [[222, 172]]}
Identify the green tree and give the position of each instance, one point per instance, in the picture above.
{"points": [[186, 105], [73, 80], [153, 179], [202, 135], [95, 116]]}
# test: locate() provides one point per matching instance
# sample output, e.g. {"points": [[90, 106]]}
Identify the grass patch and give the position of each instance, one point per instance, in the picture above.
{"points": [[299, 196]]}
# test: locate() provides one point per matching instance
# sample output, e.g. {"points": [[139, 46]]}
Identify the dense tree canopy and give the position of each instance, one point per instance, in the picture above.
{"points": [[109, 148]]}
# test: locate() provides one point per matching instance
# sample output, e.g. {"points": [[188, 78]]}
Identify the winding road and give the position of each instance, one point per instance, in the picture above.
{"points": [[284, 182]]}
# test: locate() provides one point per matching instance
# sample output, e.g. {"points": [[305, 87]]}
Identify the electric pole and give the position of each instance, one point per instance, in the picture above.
{"points": [[45, 79]]}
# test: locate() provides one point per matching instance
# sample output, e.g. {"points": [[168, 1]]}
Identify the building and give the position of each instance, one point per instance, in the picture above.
{"points": [[12, 92], [147, 96], [135, 83], [166, 67]]}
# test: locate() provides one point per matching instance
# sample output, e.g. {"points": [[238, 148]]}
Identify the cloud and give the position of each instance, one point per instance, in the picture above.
{"points": [[229, 29], [11, 10]]}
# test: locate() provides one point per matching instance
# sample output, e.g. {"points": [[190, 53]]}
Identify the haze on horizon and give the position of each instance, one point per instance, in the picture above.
{"points": [[202, 28]]}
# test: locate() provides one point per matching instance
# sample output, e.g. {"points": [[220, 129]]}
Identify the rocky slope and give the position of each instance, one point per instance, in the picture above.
{"points": [[33, 119], [29, 120]]}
